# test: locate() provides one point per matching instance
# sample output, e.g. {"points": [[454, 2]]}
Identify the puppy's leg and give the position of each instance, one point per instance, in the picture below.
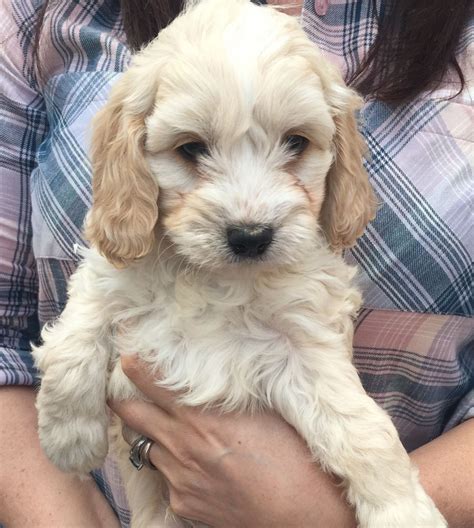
{"points": [[146, 489], [73, 360], [352, 437]]}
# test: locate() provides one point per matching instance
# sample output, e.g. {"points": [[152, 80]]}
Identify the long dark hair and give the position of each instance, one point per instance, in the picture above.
{"points": [[144, 19], [415, 45]]}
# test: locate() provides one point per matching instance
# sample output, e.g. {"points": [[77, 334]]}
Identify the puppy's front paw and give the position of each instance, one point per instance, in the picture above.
{"points": [[75, 445], [411, 512], [427, 514]]}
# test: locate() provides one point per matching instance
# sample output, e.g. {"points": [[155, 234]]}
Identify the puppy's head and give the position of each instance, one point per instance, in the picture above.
{"points": [[247, 131]]}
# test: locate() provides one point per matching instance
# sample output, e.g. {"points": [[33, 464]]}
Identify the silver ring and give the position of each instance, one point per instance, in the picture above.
{"points": [[140, 453]]}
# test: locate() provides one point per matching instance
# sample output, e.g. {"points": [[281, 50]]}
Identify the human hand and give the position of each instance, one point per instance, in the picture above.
{"points": [[232, 470]]}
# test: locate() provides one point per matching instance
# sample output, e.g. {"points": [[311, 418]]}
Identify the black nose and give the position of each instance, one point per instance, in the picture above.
{"points": [[249, 241]]}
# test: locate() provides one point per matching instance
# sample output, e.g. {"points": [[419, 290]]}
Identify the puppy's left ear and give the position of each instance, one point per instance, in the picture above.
{"points": [[350, 202]]}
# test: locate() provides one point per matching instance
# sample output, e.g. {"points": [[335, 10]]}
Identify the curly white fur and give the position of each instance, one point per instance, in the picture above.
{"points": [[274, 333]]}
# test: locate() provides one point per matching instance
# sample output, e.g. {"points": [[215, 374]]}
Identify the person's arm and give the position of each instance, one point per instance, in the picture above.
{"points": [[446, 467], [33, 491], [241, 471]]}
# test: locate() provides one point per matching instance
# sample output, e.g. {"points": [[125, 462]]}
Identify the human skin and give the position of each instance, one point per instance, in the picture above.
{"points": [[240, 471], [292, 7]]}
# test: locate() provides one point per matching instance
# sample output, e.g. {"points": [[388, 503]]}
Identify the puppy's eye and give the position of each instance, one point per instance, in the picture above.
{"points": [[191, 151], [296, 144]]}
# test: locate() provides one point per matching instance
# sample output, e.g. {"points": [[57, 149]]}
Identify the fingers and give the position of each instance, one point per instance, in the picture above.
{"points": [[140, 374], [166, 453], [164, 461], [145, 418]]}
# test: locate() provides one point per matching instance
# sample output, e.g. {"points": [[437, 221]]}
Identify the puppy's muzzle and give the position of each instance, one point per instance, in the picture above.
{"points": [[249, 240]]}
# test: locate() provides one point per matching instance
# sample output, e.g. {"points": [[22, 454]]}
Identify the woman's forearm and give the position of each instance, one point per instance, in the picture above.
{"points": [[447, 473], [33, 492]]}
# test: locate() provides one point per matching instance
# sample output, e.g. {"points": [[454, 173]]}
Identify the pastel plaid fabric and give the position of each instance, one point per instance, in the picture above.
{"points": [[417, 254], [414, 344]]}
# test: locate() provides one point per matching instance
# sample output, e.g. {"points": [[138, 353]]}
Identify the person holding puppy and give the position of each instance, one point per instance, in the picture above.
{"points": [[412, 342]]}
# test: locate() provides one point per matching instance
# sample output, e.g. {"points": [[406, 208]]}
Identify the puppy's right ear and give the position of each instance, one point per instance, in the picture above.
{"points": [[124, 211]]}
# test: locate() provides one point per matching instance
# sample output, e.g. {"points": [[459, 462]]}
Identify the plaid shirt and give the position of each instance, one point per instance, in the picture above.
{"points": [[414, 343]]}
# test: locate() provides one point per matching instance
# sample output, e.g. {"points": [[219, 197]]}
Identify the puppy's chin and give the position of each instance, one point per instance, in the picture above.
{"points": [[232, 267]]}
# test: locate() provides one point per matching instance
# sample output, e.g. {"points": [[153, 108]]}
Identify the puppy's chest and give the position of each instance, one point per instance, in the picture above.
{"points": [[230, 342], [214, 323]]}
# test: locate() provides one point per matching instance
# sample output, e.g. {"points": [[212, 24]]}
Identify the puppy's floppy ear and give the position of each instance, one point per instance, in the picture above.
{"points": [[124, 212], [350, 202]]}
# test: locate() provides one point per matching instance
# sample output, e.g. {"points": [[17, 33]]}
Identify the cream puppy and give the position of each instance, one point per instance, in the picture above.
{"points": [[227, 178]]}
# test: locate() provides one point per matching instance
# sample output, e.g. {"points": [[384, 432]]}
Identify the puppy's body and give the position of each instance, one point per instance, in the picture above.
{"points": [[267, 340], [242, 333]]}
